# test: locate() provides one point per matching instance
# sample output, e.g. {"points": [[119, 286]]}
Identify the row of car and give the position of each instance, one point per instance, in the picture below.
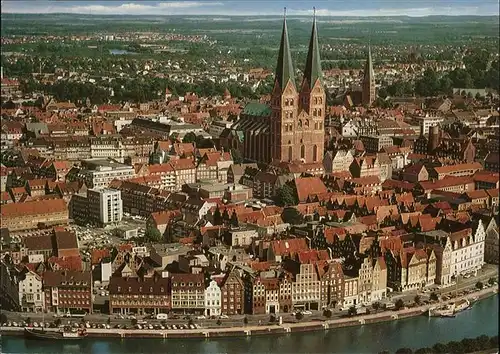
{"points": [[157, 326]]}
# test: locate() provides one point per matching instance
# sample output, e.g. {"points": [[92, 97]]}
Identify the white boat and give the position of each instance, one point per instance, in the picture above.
{"points": [[450, 310]]}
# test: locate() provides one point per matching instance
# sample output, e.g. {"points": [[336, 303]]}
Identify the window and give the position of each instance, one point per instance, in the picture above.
{"points": [[307, 123], [300, 123], [289, 153]]}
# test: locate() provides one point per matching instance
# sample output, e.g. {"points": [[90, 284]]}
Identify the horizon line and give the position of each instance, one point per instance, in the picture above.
{"points": [[241, 15]]}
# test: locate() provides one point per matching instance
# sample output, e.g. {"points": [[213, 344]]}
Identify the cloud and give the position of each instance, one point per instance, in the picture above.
{"points": [[144, 8], [413, 12], [248, 8]]}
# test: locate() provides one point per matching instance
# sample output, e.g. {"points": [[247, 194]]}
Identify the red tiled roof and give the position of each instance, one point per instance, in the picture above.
{"points": [[34, 208], [307, 186], [448, 181], [289, 246], [98, 255]]}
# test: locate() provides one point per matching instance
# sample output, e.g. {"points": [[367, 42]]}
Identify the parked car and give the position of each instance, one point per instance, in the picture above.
{"points": [[202, 317], [224, 317], [307, 312]]}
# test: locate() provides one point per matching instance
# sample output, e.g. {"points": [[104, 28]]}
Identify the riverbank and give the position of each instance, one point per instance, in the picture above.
{"points": [[414, 332], [263, 329]]}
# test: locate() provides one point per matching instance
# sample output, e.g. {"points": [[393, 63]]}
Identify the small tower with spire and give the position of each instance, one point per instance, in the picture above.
{"points": [[368, 96], [284, 102]]}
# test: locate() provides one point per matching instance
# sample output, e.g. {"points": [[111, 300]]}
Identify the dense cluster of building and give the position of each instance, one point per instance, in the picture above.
{"points": [[290, 204]]}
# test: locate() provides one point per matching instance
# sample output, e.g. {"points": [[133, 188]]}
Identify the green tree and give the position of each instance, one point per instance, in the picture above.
{"points": [[376, 305], [234, 219], [245, 320], [57, 322], [189, 138], [404, 351], [286, 196], [479, 285], [272, 318], [428, 84], [133, 321], [434, 296], [152, 234], [219, 322], [416, 299], [217, 217], [399, 304], [292, 216], [236, 155], [352, 311], [327, 313], [299, 315], [109, 320]]}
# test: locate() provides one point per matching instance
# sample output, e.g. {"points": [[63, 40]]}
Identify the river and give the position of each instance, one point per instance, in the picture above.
{"points": [[413, 333]]}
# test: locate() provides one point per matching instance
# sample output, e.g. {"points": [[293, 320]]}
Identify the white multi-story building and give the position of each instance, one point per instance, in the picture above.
{"points": [[213, 299], [339, 162], [426, 122], [306, 290], [99, 173], [351, 293], [31, 295], [467, 250], [108, 203], [491, 245]]}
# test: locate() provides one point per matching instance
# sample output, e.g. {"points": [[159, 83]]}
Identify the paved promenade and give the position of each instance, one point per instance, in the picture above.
{"points": [[268, 328]]}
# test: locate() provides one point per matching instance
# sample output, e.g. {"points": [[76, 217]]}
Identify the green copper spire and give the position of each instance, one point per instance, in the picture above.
{"points": [[369, 75], [284, 69], [312, 71]]}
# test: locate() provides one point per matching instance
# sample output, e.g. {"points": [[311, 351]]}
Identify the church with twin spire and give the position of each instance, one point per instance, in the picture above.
{"points": [[291, 127]]}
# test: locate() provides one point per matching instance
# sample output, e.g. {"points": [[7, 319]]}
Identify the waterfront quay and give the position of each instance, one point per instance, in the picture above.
{"points": [[251, 330]]}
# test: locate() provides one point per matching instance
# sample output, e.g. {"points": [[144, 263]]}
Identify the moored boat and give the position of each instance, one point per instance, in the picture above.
{"points": [[63, 334]]}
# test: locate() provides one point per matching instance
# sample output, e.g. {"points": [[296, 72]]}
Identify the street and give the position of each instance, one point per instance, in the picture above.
{"points": [[483, 275]]}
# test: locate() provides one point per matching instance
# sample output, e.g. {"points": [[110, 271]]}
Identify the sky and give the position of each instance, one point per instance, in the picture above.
{"points": [[415, 8]]}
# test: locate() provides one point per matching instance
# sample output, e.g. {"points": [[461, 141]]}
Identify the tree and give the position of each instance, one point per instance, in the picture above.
{"points": [[299, 315], [479, 285], [416, 299], [109, 320], [219, 322], [134, 321], [404, 351], [245, 320], [234, 219], [376, 305], [217, 217], [3, 318], [152, 234], [57, 322], [189, 138], [399, 304], [491, 281], [286, 196], [236, 155], [163, 323], [272, 318], [292, 216], [352, 311], [434, 296], [327, 313], [190, 322]]}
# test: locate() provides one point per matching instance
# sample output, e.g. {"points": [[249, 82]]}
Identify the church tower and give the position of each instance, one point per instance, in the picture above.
{"points": [[310, 132], [284, 104], [368, 96]]}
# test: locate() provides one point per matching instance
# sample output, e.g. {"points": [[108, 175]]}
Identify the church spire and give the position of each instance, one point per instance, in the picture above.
{"points": [[312, 71], [368, 72], [368, 96], [284, 69]]}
